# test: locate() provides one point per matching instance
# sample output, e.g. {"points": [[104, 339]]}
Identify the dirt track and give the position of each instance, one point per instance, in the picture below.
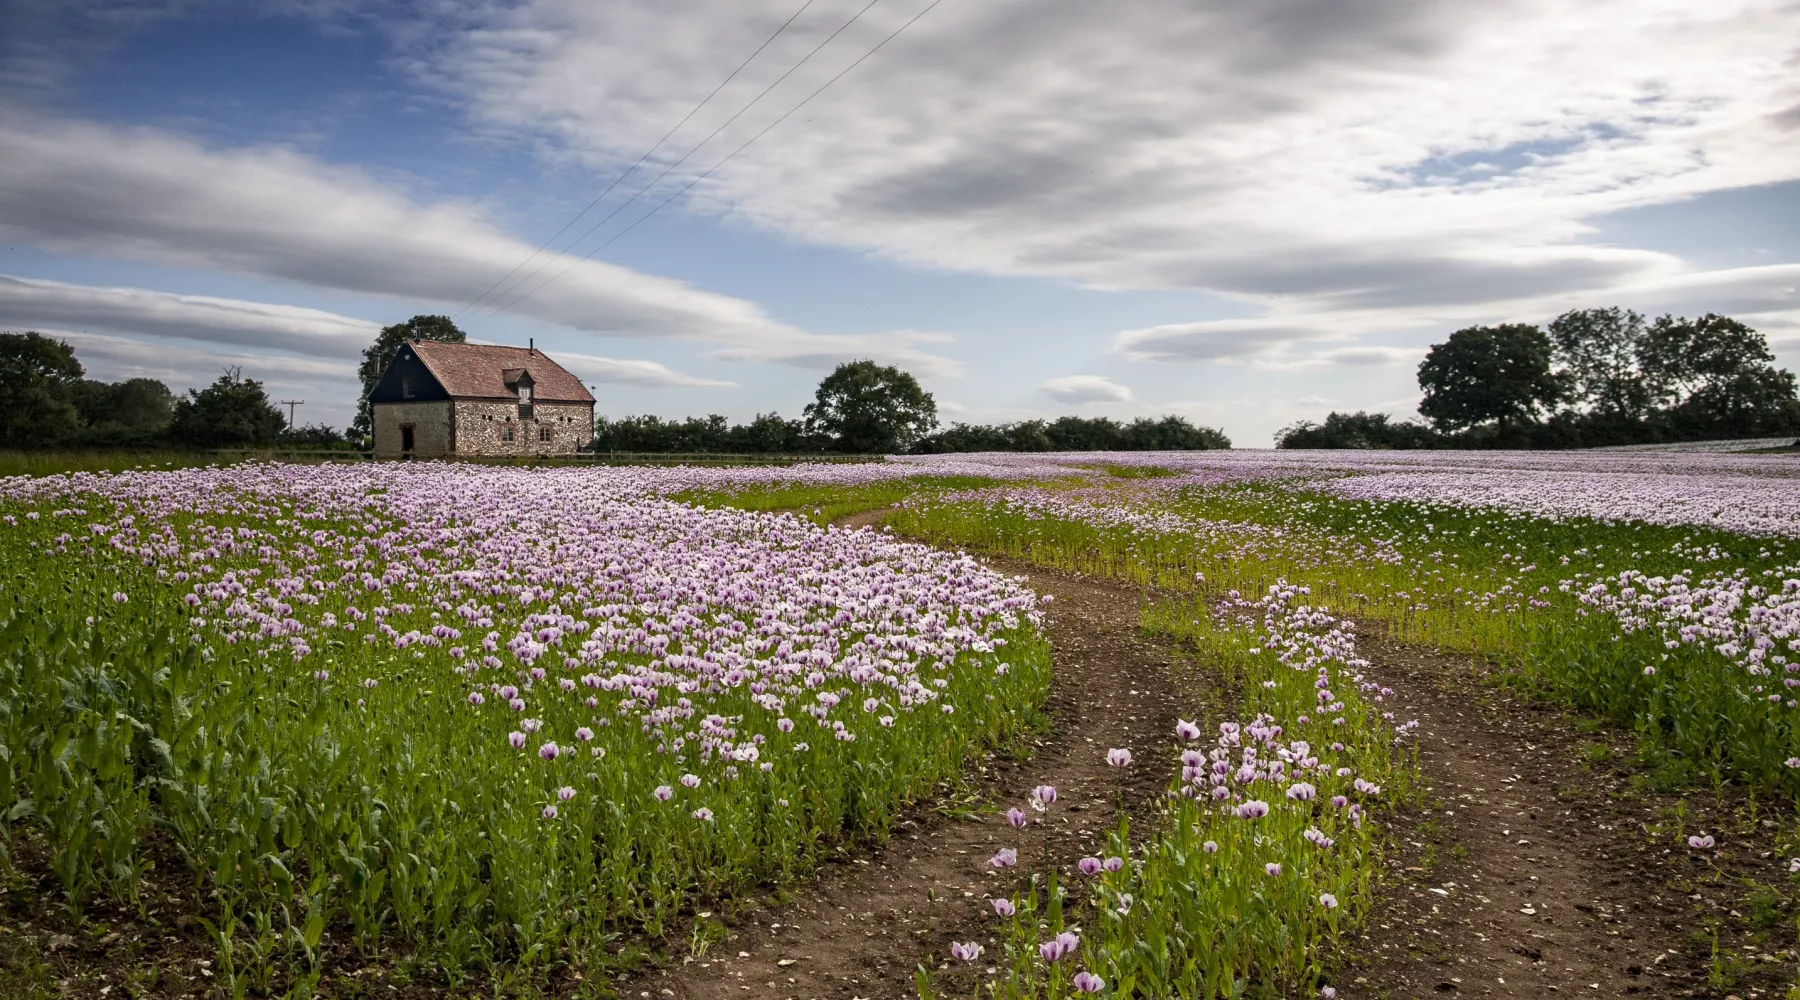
{"points": [[1526, 874]]}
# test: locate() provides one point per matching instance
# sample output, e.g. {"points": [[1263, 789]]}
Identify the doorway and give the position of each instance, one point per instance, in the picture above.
{"points": [[406, 438]]}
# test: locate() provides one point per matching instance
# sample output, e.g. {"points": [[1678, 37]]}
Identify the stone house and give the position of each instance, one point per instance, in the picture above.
{"points": [[439, 400]]}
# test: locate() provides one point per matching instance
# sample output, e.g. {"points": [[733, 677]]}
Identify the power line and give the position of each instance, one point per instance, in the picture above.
{"points": [[671, 167], [640, 160], [717, 165]]}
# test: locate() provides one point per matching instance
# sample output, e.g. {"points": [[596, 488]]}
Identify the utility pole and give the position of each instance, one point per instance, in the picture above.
{"points": [[290, 404]]}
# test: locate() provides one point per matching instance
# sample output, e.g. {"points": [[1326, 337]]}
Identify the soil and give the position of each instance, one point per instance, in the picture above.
{"points": [[1533, 868]]}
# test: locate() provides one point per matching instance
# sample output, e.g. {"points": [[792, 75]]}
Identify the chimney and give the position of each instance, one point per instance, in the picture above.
{"points": [[533, 348]]}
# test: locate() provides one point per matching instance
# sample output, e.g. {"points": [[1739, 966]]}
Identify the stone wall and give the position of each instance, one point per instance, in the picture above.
{"points": [[431, 428], [479, 428]]}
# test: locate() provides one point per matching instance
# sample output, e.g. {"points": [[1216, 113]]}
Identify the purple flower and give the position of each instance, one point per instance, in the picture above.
{"points": [[1701, 843], [1186, 730], [1327, 992], [549, 751], [1302, 792], [1003, 906], [1089, 866], [584, 734], [508, 692], [1113, 864], [663, 793], [1210, 847], [703, 814], [785, 725], [1273, 868], [1328, 901], [963, 951], [1339, 802], [550, 812], [1087, 982], [1005, 858], [517, 739], [1042, 796], [565, 793], [691, 780], [476, 698], [1253, 809], [119, 597], [1059, 947], [1118, 757], [1017, 818]]}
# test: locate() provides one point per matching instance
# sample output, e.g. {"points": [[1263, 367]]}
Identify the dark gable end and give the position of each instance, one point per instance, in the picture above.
{"points": [[407, 380]]}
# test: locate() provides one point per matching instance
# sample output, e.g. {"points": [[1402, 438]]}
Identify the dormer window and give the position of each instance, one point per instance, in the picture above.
{"points": [[525, 394]]}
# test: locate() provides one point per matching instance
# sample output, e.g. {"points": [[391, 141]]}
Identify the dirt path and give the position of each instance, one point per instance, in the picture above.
{"points": [[860, 929], [1526, 874]]}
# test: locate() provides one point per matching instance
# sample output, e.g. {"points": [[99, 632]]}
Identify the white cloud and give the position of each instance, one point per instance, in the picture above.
{"points": [[1078, 389], [82, 188], [1372, 156], [34, 302], [823, 351], [1220, 340], [628, 372]]}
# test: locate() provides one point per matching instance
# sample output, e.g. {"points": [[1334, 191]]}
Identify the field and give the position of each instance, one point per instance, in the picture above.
{"points": [[1209, 724]]}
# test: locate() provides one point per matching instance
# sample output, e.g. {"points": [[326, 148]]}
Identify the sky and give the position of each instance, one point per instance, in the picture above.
{"points": [[1248, 214]]}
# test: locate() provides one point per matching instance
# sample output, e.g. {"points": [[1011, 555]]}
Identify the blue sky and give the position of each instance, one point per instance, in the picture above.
{"points": [[1247, 214]]}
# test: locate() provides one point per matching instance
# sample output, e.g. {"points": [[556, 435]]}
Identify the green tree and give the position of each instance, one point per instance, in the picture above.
{"points": [[1597, 350], [870, 408], [377, 355], [1482, 373], [233, 412], [129, 412], [1356, 430], [38, 379], [1714, 375]]}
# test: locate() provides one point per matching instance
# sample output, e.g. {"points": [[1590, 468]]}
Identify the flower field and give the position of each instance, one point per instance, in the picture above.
{"points": [[505, 721], [491, 716]]}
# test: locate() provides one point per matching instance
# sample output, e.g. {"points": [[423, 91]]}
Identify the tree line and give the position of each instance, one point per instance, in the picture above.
{"points": [[866, 408], [1591, 377], [46, 401]]}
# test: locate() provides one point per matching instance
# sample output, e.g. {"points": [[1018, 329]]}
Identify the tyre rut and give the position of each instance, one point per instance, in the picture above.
{"points": [[861, 928]]}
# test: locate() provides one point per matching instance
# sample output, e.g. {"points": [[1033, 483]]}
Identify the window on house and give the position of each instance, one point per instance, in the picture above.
{"points": [[524, 395], [506, 432], [543, 432], [406, 388]]}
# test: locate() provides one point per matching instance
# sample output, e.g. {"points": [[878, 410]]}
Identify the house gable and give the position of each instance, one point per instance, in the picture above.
{"points": [[407, 380]]}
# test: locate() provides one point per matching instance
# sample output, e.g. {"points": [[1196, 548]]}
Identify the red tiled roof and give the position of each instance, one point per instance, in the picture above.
{"points": [[477, 370]]}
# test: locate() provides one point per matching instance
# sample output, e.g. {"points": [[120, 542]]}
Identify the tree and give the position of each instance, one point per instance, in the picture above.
{"points": [[232, 412], [377, 355], [38, 377], [1482, 373], [1714, 376], [130, 412], [871, 408], [1356, 430], [1598, 350]]}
